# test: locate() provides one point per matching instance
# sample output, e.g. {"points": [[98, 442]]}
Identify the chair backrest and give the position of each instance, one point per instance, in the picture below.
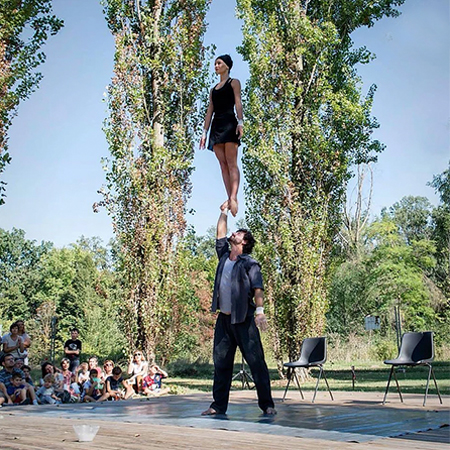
{"points": [[314, 350], [417, 347]]}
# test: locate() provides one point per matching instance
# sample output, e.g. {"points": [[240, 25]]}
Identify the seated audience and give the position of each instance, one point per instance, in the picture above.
{"points": [[5, 377], [137, 368], [93, 388], [116, 388], [47, 392], [82, 374], [72, 350], [46, 368], [152, 383], [26, 340], [108, 367], [17, 390], [27, 372], [93, 364], [12, 343]]}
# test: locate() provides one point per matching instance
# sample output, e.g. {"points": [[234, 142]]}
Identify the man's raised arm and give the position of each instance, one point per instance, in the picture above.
{"points": [[221, 231]]}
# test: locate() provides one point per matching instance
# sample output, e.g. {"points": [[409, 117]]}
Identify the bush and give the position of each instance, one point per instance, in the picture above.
{"points": [[385, 349]]}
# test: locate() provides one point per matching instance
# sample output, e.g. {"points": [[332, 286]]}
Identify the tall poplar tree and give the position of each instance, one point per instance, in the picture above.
{"points": [[307, 123], [159, 74], [24, 27]]}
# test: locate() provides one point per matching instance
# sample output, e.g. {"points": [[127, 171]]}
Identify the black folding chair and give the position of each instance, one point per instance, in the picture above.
{"points": [[416, 349], [313, 354]]}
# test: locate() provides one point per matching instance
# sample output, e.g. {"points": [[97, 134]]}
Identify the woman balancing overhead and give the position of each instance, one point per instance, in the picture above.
{"points": [[226, 130]]}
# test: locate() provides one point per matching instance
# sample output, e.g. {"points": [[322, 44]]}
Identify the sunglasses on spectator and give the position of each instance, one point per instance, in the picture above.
{"points": [[138, 354], [107, 364]]}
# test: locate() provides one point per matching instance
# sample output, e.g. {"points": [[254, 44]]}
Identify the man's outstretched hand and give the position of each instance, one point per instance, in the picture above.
{"points": [[261, 322]]}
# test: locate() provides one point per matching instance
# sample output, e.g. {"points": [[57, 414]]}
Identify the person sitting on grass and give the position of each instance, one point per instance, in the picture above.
{"points": [[137, 368], [108, 367], [47, 392], [93, 389], [5, 377], [27, 372], [82, 374], [116, 387], [46, 368], [152, 383], [93, 364], [17, 390]]}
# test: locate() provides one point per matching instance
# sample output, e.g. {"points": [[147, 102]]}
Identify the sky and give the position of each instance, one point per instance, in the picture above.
{"points": [[56, 141]]}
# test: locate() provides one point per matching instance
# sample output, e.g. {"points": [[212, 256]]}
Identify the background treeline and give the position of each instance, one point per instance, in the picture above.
{"points": [[401, 258]]}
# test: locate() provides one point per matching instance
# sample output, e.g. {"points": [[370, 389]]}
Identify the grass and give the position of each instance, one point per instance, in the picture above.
{"points": [[370, 377]]}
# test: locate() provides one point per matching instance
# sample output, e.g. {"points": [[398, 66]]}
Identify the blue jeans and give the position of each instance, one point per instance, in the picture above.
{"points": [[227, 338]]}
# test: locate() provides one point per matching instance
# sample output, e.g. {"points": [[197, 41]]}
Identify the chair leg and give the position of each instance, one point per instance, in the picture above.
{"points": [[398, 387], [388, 383], [317, 384], [298, 384], [326, 381], [289, 375], [428, 383], [431, 372]]}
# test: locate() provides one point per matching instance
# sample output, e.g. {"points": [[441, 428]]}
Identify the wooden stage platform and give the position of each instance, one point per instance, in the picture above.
{"points": [[354, 420]]}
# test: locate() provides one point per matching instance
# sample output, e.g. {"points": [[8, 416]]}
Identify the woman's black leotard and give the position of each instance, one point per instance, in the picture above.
{"points": [[223, 128]]}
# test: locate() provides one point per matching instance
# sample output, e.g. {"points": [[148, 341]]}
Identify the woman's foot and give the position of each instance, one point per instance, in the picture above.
{"points": [[233, 206], [225, 205]]}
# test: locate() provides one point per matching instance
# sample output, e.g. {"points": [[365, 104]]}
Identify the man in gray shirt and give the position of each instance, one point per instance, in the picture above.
{"points": [[238, 294]]}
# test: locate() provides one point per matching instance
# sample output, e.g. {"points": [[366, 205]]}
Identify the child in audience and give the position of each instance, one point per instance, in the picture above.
{"points": [[82, 374], [93, 364], [27, 372], [116, 387], [47, 392], [17, 390], [93, 389], [152, 382]]}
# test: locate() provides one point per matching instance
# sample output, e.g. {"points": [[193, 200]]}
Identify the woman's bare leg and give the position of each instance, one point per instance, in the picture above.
{"points": [[219, 150], [231, 151]]}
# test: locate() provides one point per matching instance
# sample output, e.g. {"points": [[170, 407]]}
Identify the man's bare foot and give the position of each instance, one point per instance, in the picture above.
{"points": [[225, 205], [209, 412], [233, 206], [270, 411]]}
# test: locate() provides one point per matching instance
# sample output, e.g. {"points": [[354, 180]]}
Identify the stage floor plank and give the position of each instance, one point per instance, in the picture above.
{"points": [[139, 424]]}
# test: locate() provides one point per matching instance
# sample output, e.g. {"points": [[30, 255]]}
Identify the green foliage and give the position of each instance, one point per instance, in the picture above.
{"points": [[412, 216], [39, 282], [20, 273], [307, 122], [25, 25], [397, 268], [160, 73]]}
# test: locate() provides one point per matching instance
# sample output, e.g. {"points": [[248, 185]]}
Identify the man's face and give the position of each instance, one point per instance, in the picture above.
{"points": [[237, 238], [8, 362], [18, 363], [74, 335]]}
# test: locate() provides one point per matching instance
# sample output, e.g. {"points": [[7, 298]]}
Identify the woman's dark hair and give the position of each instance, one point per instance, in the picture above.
{"points": [[248, 236], [44, 368], [227, 60], [13, 325]]}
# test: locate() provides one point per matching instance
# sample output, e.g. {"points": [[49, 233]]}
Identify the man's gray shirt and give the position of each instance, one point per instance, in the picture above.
{"points": [[245, 278]]}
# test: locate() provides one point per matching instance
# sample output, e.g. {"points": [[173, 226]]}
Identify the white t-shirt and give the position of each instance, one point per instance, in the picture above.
{"points": [[225, 287], [11, 343]]}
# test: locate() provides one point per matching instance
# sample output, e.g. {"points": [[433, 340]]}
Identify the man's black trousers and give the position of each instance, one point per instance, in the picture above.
{"points": [[227, 338]]}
